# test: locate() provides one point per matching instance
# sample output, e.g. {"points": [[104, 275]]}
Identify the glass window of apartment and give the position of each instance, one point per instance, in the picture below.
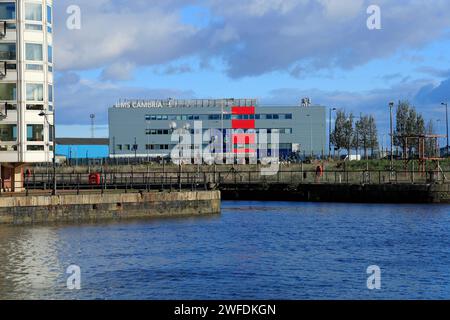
{"points": [[8, 132], [50, 93], [35, 67], [49, 14], [35, 148], [50, 133], [35, 132], [50, 54], [33, 11], [7, 51], [34, 52], [127, 147], [288, 116], [7, 11], [33, 27], [8, 91], [35, 92]]}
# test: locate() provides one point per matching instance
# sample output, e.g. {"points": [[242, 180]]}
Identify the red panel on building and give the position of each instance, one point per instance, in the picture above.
{"points": [[243, 124], [244, 138], [240, 151], [243, 110]]}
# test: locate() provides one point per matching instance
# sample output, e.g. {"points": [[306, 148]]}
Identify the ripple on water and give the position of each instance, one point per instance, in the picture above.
{"points": [[254, 250]]}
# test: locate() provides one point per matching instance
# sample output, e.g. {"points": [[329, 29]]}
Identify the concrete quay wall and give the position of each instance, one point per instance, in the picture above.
{"points": [[349, 193], [19, 210]]}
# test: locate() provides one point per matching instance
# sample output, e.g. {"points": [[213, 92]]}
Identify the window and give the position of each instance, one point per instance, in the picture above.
{"points": [[35, 148], [35, 132], [35, 92], [127, 147], [11, 66], [50, 133], [34, 52], [8, 132], [35, 107], [8, 91], [288, 116], [119, 147], [33, 11], [35, 67], [8, 51], [33, 27], [50, 93], [50, 54], [49, 14], [11, 26], [8, 148], [7, 11]]}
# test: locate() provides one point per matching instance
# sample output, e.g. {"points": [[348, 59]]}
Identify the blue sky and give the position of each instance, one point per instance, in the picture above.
{"points": [[275, 50]]}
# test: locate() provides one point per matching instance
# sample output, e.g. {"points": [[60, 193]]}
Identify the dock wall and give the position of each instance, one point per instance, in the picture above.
{"points": [[95, 207], [350, 193]]}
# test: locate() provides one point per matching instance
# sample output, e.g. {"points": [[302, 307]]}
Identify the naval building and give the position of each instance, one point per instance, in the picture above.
{"points": [[144, 128]]}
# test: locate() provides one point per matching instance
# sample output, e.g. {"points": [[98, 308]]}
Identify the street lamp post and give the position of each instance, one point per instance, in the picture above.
{"points": [[311, 135], [446, 124], [173, 127], [391, 106], [147, 147], [135, 147], [329, 136], [45, 115]]}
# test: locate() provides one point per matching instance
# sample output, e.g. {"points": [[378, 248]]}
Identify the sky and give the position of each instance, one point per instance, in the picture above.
{"points": [[277, 51]]}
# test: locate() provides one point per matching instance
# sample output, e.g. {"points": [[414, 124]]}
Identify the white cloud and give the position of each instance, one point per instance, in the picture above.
{"points": [[78, 98], [118, 71], [252, 37]]}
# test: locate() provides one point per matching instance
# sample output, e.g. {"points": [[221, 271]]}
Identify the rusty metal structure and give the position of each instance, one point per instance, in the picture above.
{"points": [[421, 142]]}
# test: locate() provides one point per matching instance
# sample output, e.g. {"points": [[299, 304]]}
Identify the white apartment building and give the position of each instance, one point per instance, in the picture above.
{"points": [[26, 87]]}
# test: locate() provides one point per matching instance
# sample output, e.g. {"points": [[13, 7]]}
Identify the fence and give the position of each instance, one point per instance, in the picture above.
{"points": [[171, 180]]}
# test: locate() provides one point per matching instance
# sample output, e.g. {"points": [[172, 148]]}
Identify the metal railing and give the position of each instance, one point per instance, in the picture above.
{"points": [[201, 180]]}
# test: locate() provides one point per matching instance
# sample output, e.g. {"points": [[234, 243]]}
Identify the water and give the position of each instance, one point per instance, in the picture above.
{"points": [[253, 250]]}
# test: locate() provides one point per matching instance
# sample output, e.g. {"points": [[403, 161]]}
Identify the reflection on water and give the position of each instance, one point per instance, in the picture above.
{"points": [[28, 261], [254, 250]]}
